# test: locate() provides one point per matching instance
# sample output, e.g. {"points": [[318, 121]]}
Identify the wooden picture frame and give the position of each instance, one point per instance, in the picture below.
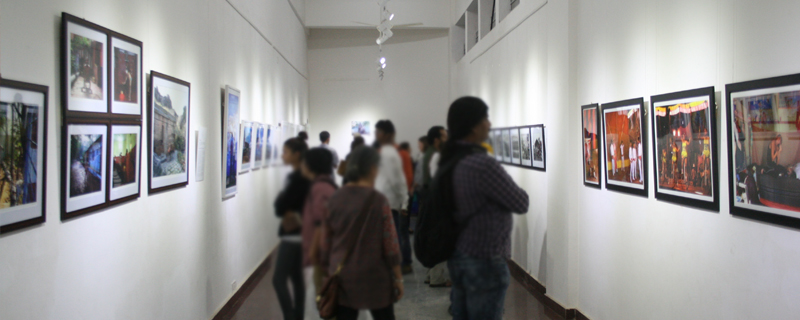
{"points": [[591, 135], [82, 190], [120, 187], [84, 67], [125, 89], [164, 144], [621, 127]]}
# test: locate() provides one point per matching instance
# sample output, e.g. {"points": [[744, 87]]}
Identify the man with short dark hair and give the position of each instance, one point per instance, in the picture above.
{"points": [[325, 138]]}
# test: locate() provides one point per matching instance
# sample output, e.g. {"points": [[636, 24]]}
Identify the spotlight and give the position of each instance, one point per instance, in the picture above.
{"points": [[391, 17], [383, 66], [383, 60]]}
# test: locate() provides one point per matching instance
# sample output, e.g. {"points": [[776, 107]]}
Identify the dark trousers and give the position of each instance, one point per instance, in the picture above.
{"points": [[401, 225], [289, 266], [479, 287], [345, 313]]}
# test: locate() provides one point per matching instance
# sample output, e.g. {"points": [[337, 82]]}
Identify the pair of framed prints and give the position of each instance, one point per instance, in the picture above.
{"points": [[684, 147], [102, 124], [520, 146], [257, 145]]}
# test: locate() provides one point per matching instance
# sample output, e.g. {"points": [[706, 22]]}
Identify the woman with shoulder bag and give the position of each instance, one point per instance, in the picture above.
{"points": [[360, 246]]}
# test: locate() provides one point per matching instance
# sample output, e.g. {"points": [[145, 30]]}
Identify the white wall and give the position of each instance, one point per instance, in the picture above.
{"points": [[171, 255], [344, 84]]}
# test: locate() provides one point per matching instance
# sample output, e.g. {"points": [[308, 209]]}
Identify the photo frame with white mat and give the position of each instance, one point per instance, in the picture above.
{"points": [[169, 110], [84, 174], [125, 162], [125, 82], [230, 141], [624, 126], [538, 147], [84, 66], [246, 146]]}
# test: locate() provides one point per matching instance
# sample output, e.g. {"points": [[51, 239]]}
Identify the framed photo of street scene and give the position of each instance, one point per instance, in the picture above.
{"points": [[84, 66], [623, 138], [169, 108], [125, 83], [84, 174], [23, 139], [764, 149], [685, 148], [230, 135], [590, 124], [124, 162]]}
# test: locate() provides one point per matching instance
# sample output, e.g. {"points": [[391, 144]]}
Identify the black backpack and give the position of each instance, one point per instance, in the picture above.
{"points": [[437, 232]]}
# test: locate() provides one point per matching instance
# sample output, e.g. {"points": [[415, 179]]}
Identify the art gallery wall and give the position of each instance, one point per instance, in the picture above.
{"points": [[612, 255], [176, 254], [344, 84]]}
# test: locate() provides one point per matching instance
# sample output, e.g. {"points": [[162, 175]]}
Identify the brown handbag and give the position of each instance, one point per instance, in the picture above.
{"points": [[328, 297]]}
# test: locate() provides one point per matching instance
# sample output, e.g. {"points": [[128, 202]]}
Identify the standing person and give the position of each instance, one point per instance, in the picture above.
{"points": [[316, 168], [478, 266], [303, 136], [325, 139], [437, 137], [358, 141], [370, 274], [391, 181], [405, 220], [289, 206]]}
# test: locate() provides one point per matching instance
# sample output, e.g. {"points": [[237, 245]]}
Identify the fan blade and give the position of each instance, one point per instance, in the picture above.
{"points": [[408, 25], [366, 24]]}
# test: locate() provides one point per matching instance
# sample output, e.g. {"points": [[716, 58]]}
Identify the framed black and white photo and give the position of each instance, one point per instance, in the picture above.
{"points": [[526, 150], [125, 162], [23, 141], [125, 83], [85, 175], [623, 131], [84, 60], [168, 130], [507, 146], [539, 148], [497, 136], [684, 148], [764, 149], [590, 139], [515, 148]]}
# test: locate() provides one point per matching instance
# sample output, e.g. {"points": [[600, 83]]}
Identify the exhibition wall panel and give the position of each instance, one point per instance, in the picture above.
{"points": [[174, 254]]}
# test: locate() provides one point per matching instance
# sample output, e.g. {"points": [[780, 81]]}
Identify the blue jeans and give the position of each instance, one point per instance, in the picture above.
{"points": [[401, 226], [479, 287]]}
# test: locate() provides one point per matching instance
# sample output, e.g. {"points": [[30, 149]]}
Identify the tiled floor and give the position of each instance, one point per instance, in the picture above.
{"points": [[420, 302]]}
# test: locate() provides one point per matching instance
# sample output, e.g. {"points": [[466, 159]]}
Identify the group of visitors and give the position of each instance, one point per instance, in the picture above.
{"points": [[359, 233]]}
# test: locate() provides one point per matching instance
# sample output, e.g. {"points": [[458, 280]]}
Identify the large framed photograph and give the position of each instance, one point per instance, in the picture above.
{"points": [[168, 127], [247, 146], [507, 158], [764, 149], [623, 125], [526, 148], [258, 128], [684, 148], [85, 175], [230, 127], [124, 163], [590, 122], [515, 150], [23, 158], [361, 128], [126, 75], [84, 66], [539, 148]]}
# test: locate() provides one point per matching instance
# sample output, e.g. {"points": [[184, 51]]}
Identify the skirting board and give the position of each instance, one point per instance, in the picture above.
{"points": [[232, 306], [538, 290]]}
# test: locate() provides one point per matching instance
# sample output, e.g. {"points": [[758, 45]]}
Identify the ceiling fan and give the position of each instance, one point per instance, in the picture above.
{"points": [[385, 32]]}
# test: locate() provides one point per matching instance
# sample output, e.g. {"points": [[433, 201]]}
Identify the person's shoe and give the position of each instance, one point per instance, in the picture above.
{"points": [[407, 269]]}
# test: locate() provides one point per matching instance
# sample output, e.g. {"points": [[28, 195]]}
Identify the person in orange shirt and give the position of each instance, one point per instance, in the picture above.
{"points": [[405, 220]]}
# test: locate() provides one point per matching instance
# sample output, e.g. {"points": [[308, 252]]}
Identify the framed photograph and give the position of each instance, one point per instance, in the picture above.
{"points": [[590, 122], [684, 148], [358, 128], [507, 146], [515, 150], [259, 146], [497, 137], [168, 127], [526, 150], [84, 165], [84, 60], [764, 149], [230, 151], [126, 75], [623, 126], [23, 156], [247, 146], [539, 148], [268, 141], [124, 162]]}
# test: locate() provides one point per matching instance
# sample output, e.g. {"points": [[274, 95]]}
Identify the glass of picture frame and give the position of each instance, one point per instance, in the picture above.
{"points": [[685, 148], [258, 151], [230, 140], [623, 130], [526, 148], [169, 108], [125, 81], [764, 149], [23, 162], [590, 141], [515, 147]]}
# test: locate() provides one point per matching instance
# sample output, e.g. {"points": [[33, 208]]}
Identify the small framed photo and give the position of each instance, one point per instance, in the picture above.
{"points": [[526, 150], [515, 150], [126, 75], [168, 131], [539, 148], [684, 148], [230, 140], [84, 60], [590, 136], [507, 146], [247, 146], [259, 145], [124, 162], [764, 149], [84, 165], [269, 141], [23, 141], [497, 137], [623, 125]]}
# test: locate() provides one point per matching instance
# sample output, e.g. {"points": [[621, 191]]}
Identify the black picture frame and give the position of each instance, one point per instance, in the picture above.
{"points": [[598, 138], [140, 76], [760, 211], [692, 199], [110, 160], [44, 90], [150, 144], [543, 167], [66, 214], [501, 132], [85, 67], [616, 185]]}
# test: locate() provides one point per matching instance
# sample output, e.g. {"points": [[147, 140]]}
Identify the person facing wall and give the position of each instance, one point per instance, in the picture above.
{"points": [[316, 168], [325, 139]]}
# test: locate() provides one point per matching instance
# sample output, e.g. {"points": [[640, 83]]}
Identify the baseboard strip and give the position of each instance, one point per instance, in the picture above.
{"points": [[538, 290], [235, 302]]}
